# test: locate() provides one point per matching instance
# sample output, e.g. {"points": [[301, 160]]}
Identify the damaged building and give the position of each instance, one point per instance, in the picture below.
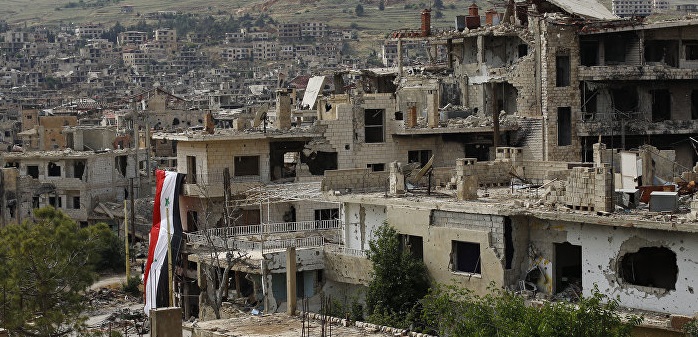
{"points": [[551, 153]]}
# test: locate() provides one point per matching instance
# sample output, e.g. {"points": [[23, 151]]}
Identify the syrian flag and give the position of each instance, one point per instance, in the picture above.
{"points": [[155, 279]]}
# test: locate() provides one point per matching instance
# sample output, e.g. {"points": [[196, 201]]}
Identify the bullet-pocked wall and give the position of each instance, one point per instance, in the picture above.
{"points": [[646, 268]]}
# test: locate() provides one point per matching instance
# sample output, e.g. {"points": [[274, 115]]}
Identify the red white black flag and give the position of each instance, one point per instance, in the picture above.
{"points": [[155, 279]]}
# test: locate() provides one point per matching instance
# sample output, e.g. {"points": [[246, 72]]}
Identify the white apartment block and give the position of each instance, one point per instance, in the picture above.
{"points": [[89, 31], [629, 8]]}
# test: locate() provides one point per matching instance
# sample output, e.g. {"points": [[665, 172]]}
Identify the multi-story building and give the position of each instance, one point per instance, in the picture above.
{"points": [[89, 31], [631, 8]]}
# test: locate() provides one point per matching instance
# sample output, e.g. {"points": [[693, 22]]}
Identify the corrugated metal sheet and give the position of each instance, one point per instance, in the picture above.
{"points": [[585, 8]]}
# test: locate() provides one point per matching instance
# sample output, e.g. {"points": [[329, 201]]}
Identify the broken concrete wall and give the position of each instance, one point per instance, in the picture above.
{"points": [[355, 179], [347, 269], [603, 248], [360, 223]]}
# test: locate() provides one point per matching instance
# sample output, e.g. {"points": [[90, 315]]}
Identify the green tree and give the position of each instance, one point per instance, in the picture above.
{"points": [[359, 10], [399, 279], [452, 311], [45, 266]]}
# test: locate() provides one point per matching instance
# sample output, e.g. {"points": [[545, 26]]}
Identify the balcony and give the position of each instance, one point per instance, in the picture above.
{"points": [[646, 72]]}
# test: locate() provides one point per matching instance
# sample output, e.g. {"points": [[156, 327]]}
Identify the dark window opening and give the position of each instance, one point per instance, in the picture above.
{"points": [[320, 161], [661, 51], [465, 257], [650, 267], [55, 202], [76, 202], [694, 104], [564, 126], [589, 102], [398, 115], [192, 221], [412, 244], [246, 166], [562, 66], [83, 224], [568, 266], [614, 50], [54, 170], [589, 53], [691, 52], [523, 50], [326, 214], [661, 105], [373, 125], [625, 99], [191, 170], [508, 244], [450, 94], [35, 202], [120, 163], [376, 167], [419, 156], [175, 121], [78, 169], [33, 171]]}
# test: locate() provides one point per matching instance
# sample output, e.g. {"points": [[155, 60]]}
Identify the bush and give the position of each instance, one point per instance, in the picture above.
{"points": [[131, 286]]}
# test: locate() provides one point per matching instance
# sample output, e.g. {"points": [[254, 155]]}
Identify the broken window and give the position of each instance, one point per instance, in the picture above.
{"points": [[589, 102], [589, 53], [661, 105], [568, 266], [562, 66], [691, 52], [326, 214], [33, 171], [625, 99], [614, 50], [76, 202], [246, 166], [191, 170], [413, 244], [54, 170], [650, 267], [376, 167], [523, 50], [373, 122], [419, 156], [564, 126], [662, 51], [78, 169], [120, 164], [465, 257]]}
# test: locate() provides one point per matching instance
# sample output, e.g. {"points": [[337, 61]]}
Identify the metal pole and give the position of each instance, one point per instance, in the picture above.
{"points": [[128, 260], [169, 257]]}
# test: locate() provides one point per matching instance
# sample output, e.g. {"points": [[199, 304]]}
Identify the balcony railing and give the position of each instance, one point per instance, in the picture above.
{"points": [[342, 250], [244, 245], [272, 228]]}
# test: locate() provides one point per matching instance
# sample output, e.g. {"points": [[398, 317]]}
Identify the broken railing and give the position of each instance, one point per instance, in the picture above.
{"points": [[339, 249]]}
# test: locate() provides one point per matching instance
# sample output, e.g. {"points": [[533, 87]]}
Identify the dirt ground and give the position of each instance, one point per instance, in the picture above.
{"points": [[277, 325]]}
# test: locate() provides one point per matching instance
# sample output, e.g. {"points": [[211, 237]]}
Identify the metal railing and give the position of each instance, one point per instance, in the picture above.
{"points": [[245, 245], [272, 228], [339, 249]]}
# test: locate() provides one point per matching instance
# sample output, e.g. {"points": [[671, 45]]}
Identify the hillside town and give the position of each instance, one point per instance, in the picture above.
{"points": [[545, 147]]}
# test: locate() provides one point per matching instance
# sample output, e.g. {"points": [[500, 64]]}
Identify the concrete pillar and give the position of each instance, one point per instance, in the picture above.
{"points": [[466, 179], [397, 180], [283, 109], [603, 189], [433, 108], [599, 149], [166, 322], [291, 280]]}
